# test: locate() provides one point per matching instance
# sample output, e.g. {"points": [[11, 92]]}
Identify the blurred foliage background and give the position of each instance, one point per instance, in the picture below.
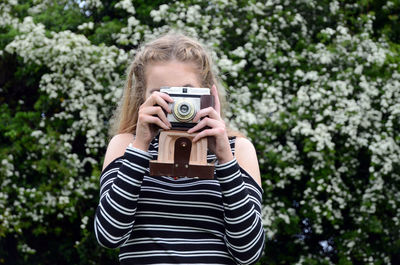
{"points": [[314, 84]]}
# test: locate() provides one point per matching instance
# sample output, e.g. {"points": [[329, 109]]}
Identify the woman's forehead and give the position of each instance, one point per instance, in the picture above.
{"points": [[172, 73]]}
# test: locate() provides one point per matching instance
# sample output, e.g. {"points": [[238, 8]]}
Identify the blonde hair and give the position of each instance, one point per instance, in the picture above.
{"points": [[172, 46]]}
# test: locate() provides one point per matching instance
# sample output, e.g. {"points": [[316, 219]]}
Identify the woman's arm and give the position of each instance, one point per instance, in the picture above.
{"points": [[242, 197], [120, 184]]}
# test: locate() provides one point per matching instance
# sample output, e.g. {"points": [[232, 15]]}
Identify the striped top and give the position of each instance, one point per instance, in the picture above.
{"points": [[162, 220]]}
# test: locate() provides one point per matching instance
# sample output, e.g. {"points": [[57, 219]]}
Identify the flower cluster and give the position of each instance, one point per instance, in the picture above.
{"points": [[317, 93]]}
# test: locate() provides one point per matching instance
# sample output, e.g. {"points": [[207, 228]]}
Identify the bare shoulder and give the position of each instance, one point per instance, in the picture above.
{"points": [[246, 156], [116, 147]]}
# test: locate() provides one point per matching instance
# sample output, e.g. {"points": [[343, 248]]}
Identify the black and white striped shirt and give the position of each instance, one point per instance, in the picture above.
{"points": [[162, 220]]}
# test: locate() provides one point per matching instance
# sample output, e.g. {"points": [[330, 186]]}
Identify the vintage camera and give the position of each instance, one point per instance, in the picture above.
{"points": [[187, 102], [178, 156]]}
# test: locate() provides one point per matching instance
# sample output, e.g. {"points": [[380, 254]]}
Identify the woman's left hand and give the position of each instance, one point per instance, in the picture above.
{"points": [[216, 133]]}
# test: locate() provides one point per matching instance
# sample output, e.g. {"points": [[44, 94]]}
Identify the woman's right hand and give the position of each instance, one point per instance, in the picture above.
{"points": [[151, 118]]}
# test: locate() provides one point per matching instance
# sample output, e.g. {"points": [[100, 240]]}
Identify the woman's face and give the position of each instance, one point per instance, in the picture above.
{"points": [[172, 73]]}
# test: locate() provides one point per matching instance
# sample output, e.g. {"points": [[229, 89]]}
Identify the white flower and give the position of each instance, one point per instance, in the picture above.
{"points": [[84, 222], [334, 7], [126, 5], [312, 75], [88, 25], [239, 52]]}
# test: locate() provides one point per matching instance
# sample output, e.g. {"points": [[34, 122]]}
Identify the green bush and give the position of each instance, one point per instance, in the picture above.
{"points": [[314, 84]]}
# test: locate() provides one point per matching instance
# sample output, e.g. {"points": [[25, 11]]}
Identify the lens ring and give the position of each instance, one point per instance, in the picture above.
{"points": [[183, 111]]}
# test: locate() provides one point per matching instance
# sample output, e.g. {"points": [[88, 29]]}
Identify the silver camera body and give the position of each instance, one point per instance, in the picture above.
{"points": [[187, 102]]}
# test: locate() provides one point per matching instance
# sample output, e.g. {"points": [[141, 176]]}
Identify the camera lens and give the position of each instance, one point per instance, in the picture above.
{"points": [[184, 111]]}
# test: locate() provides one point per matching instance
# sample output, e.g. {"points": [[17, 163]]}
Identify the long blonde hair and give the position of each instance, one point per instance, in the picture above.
{"points": [[172, 46]]}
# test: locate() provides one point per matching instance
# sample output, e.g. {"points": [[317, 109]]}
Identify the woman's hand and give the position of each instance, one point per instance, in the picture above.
{"points": [[217, 135], [151, 118]]}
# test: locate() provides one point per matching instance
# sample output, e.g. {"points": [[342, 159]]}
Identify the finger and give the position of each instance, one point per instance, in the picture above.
{"points": [[155, 120], [156, 110], [207, 133], [158, 98], [205, 122], [217, 105], [210, 112], [165, 96]]}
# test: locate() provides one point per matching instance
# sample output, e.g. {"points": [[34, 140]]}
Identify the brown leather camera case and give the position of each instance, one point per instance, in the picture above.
{"points": [[179, 157]]}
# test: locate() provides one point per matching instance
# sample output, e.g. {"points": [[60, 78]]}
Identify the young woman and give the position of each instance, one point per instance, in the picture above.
{"points": [[164, 220]]}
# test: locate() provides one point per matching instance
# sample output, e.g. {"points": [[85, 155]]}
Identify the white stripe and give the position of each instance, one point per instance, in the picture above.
{"points": [[238, 204], [108, 172], [255, 201], [111, 180], [188, 182], [96, 232], [118, 207], [129, 180], [208, 205], [226, 165], [110, 238], [195, 253], [112, 221], [194, 217], [241, 218], [125, 194], [103, 195], [229, 178], [245, 232], [255, 190], [138, 152], [189, 192], [160, 240], [248, 246], [255, 256], [134, 166], [177, 229], [233, 191]]}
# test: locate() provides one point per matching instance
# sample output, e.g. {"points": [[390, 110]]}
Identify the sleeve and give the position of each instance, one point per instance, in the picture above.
{"points": [[242, 197], [120, 184]]}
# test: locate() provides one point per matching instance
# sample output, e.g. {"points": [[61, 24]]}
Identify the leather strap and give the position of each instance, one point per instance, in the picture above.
{"points": [[183, 147], [206, 101], [169, 169]]}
